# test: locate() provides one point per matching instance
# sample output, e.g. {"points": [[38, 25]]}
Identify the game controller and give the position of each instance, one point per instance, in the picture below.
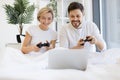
{"points": [[86, 40], [44, 44]]}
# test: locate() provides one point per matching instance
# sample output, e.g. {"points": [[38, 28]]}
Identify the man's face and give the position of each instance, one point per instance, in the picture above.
{"points": [[76, 17]]}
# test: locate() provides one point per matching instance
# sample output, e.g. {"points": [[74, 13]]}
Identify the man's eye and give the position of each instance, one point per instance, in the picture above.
{"points": [[72, 16], [78, 16]]}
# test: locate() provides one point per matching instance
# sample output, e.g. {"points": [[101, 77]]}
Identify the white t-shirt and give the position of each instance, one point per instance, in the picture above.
{"points": [[69, 36], [39, 35]]}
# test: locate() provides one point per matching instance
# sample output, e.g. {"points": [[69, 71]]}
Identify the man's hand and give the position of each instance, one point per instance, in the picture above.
{"points": [[91, 39], [80, 43]]}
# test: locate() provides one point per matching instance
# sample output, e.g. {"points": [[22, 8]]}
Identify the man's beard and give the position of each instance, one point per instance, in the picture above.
{"points": [[76, 23]]}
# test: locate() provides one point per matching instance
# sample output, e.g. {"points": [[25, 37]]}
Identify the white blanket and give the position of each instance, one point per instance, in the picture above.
{"points": [[17, 66]]}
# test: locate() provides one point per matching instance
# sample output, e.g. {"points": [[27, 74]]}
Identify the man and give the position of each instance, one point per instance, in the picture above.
{"points": [[79, 34]]}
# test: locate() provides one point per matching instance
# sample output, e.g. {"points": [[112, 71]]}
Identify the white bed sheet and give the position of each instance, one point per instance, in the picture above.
{"points": [[19, 67], [94, 72]]}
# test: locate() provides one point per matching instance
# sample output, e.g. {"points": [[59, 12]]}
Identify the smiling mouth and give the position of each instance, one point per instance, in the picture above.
{"points": [[76, 22], [45, 24]]}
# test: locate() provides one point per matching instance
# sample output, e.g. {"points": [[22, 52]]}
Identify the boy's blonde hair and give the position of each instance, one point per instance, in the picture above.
{"points": [[43, 11]]}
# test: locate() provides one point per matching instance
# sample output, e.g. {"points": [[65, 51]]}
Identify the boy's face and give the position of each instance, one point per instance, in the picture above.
{"points": [[76, 17]]}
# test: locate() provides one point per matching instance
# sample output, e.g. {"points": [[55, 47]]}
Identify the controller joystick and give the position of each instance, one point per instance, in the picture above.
{"points": [[86, 40], [39, 45], [44, 44]]}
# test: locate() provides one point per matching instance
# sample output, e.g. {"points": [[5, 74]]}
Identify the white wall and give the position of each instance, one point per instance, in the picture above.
{"points": [[7, 31], [88, 10]]}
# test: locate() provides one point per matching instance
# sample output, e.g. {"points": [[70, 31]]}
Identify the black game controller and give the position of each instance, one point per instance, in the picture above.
{"points": [[86, 40], [44, 44]]}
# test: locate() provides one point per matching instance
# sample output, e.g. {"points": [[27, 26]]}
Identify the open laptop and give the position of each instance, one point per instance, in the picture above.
{"points": [[68, 59]]}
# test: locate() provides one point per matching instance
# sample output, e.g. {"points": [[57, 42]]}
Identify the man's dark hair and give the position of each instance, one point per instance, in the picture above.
{"points": [[75, 5]]}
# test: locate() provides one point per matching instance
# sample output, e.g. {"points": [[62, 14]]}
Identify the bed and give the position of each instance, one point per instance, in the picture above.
{"points": [[101, 66]]}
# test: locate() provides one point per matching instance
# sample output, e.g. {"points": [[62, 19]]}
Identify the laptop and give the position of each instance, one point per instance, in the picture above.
{"points": [[68, 59]]}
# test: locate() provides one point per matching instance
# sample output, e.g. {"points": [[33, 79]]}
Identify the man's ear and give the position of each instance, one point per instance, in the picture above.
{"points": [[83, 13], [68, 15]]}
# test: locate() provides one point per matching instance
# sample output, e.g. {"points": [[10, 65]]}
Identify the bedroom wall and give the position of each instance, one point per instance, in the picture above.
{"points": [[7, 31]]}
